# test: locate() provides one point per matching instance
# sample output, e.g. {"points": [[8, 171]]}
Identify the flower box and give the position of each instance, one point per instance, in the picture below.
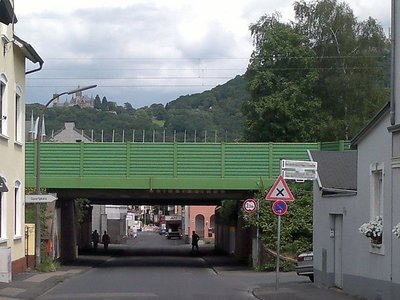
{"points": [[374, 230]]}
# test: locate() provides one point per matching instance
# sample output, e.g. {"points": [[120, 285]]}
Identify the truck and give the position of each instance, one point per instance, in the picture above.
{"points": [[173, 226]]}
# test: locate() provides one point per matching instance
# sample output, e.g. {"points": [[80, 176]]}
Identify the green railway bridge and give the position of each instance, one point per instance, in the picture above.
{"points": [[162, 173]]}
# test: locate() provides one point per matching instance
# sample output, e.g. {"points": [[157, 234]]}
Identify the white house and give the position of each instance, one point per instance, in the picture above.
{"points": [[353, 188], [363, 265], [12, 135]]}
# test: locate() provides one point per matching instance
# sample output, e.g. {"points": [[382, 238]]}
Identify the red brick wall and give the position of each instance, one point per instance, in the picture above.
{"points": [[18, 266]]}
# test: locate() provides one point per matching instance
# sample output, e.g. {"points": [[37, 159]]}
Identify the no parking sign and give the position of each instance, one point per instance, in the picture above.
{"points": [[279, 207]]}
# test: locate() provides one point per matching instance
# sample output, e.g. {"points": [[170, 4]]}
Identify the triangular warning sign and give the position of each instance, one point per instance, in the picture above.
{"points": [[280, 191]]}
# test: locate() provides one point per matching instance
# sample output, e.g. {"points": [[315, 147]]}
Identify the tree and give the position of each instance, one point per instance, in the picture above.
{"points": [[128, 106], [97, 102], [281, 78], [353, 63], [104, 103], [158, 111]]}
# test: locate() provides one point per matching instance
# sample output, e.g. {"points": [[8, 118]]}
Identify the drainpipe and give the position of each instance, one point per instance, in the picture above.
{"points": [[29, 53], [393, 93]]}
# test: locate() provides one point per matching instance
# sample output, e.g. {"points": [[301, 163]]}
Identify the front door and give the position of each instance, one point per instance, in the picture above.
{"points": [[338, 219]]}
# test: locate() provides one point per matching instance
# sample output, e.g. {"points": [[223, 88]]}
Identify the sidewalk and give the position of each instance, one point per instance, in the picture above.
{"points": [[300, 291], [291, 286], [31, 285]]}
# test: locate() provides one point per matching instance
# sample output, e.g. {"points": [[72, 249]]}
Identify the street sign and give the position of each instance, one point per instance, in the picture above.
{"points": [[299, 170], [40, 198], [250, 205], [173, 218], [280, 191], [299, 175], [298, 164], [279, 207]]}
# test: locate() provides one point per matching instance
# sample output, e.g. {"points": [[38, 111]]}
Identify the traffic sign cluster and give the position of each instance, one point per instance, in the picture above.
{"points": [[279, 193]]}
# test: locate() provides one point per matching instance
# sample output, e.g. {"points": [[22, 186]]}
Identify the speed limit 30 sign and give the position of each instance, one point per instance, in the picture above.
{"points": [[250, 205]]}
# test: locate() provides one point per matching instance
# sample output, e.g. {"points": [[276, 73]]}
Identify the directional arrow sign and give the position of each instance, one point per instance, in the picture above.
{"points": [[280, 191], [40, 198]]}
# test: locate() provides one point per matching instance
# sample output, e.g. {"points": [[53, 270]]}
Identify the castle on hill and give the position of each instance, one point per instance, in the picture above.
{"points": [[77, 99]]}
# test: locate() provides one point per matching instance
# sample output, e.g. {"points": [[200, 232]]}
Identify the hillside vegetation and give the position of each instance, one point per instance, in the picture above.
{"points": [[214, 115]]}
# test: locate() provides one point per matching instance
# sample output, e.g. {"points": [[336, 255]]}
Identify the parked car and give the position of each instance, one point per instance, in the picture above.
{"points": [[305, 265]]}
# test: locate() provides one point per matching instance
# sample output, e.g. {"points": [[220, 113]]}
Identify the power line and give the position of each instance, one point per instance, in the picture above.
{"points": [[133, 78], [130, 86]]}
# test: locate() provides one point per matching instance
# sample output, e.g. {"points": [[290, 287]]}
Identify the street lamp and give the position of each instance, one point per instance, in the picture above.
{"points": [[38, 138]]}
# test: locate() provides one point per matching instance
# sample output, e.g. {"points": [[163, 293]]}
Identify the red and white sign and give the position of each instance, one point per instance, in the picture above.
{"points": [[250, 205], [280, 191]]}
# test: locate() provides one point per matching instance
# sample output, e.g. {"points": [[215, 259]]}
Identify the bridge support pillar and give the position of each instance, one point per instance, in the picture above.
{"points": [[68, 231]]}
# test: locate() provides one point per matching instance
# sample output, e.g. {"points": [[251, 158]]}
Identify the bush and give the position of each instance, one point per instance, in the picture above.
{"points": [[284, 266], [47, 265], [296, 226]]}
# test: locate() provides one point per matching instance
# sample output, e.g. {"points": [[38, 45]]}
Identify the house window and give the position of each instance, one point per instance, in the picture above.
{"points": [[377, 173], [17, 209], [2, 216], [2, 100], [376, 190], [3, 105], [18, 118]]}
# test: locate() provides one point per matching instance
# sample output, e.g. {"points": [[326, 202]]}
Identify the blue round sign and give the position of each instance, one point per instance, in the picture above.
{"points": [[279, 207]]}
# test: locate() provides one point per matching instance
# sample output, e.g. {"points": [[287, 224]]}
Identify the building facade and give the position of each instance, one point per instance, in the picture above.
{"points": [[78, 99], [357, 235], [14, 51], [200, 219]]}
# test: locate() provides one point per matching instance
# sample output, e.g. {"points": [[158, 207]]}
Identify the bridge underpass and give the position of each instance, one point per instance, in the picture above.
{"points": [[154, 197], [156, 173]]}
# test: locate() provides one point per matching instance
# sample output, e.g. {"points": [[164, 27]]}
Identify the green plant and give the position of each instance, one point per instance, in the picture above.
{"points": [[47, 265], [228, 212], [284, 266], [82, 209], [296, 226]]}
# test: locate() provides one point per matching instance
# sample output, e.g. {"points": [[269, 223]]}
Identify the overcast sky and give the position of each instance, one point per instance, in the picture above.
{"points": [[147, 51]]}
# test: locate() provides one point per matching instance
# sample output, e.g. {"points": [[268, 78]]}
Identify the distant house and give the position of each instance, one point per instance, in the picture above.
{"points": [[200, 219], [70, 134]]}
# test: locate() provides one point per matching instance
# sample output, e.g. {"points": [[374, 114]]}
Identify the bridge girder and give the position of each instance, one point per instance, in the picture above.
{"points": [[153, 197]]}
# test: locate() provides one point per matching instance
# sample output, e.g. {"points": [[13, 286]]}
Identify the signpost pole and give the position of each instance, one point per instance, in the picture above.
{"points": [[278, 252], [258, 233]]}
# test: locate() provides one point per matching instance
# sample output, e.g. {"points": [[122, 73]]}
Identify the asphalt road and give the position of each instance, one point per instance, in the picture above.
{"points": [[152, 267]]}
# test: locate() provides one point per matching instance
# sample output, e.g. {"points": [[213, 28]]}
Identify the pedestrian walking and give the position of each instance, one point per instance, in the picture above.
{"points": [[105, 240], [195, 241], [95, 239], [135, 232]]}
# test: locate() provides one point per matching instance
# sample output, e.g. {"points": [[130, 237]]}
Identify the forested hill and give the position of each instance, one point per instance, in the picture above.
{"points": [[213, 115], [217, 109]]}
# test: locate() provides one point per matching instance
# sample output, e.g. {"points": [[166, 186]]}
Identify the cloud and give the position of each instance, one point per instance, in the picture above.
{"points": [[147, 51]]}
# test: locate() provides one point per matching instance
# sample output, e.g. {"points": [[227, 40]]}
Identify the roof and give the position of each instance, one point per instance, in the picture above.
{"points": [[7, 15], [337, 171], [70, 134], [371, 124], [28, 51]]}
